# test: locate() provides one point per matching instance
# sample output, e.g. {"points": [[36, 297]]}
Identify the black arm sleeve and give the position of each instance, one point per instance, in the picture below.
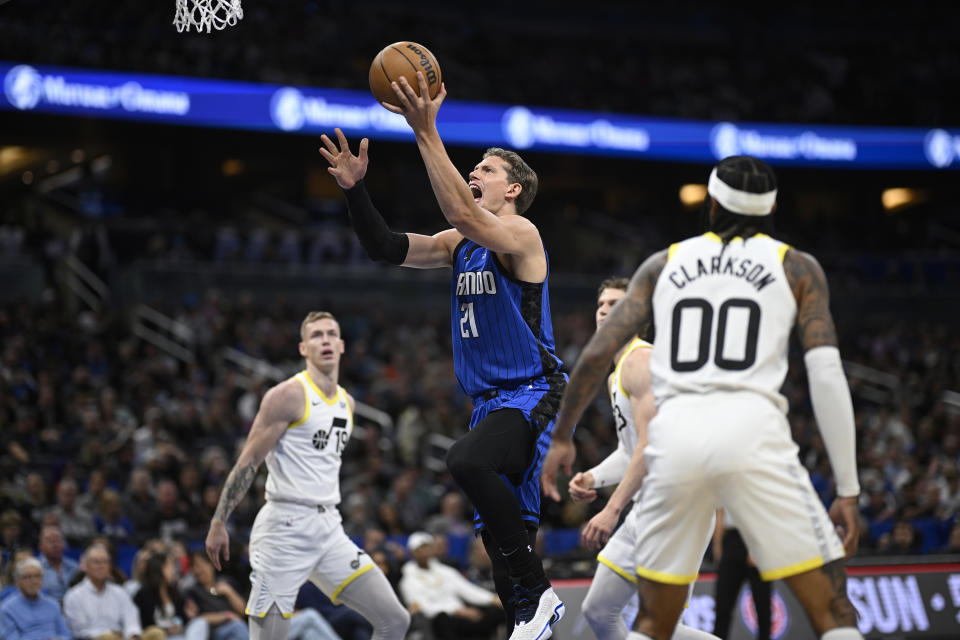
{"points": [[376, 237]]}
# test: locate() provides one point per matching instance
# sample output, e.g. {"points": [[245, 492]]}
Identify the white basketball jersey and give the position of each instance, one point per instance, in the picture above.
{"points": [[304, 466], [723, 315], [620, 401]]}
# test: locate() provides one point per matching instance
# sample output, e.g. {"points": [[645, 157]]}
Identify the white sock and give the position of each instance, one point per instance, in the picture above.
{"points": [[636, 635], [842, 633]]}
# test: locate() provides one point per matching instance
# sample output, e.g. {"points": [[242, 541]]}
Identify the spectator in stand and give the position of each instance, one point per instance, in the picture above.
{"points": [[160, 604], [139, 503], [29, 614], [137, 569], [903, 540], [99, 609], [455, 608], [76, 523], [12, 533], [217, 602], [9, 581], [58, 569], [96, 483], [38, 500], [452, 517], [172, 518], [110, 520]]}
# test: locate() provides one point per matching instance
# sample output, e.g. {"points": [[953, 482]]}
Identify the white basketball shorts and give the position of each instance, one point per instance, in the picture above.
{"points": [[732, 450], [292, 543]]}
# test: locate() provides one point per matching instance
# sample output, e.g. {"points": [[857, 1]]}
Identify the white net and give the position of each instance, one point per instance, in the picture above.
{"points": [[206, 15]]}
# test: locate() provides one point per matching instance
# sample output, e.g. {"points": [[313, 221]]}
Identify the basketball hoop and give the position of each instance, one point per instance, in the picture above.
{"points": [[205, 15]]}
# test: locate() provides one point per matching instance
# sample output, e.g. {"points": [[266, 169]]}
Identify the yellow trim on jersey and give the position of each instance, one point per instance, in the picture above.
{"points": [[330, 401], [343, 585], [792, 570], [782, 250], [616, 569], [672, 250], [710, 235], [264, 614], [306, 405], [665, 578], [636, 344]]}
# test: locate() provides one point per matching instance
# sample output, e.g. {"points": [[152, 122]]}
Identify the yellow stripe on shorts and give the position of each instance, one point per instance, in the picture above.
{"points": [[792, 570], [616, 569], [343, 585], [665, 578]]}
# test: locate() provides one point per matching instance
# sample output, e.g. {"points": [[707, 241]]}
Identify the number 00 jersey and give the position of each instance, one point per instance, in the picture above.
{"points": [[502, 332], [723, 316], [304, 465]]}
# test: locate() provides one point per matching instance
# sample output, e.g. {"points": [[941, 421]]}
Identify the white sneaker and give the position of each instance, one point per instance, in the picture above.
{"points": [[535, 620]]}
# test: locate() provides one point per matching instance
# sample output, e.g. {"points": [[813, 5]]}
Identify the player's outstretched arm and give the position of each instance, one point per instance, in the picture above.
{"points": [[376, 237], [512, 235], [281, 406], [829, 391], [629, 316]]}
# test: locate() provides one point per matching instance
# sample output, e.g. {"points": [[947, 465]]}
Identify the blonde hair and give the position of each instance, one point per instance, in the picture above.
{"points": [[313, 316]]}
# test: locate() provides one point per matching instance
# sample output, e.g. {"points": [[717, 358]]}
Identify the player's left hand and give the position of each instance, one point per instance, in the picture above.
{"points": [[562, 453], [598, 530], [845, 514], [218, 540], [419, 110]]}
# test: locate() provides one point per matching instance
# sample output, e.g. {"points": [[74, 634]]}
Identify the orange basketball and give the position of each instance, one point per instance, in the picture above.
{"points": [[403, 59]]}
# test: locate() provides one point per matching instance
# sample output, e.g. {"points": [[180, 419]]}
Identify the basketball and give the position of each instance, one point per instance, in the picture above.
{"points": [[403, 59]]}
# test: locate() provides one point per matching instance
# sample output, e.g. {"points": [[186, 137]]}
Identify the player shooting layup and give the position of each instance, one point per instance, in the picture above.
{"points": [[723, 305], [301, 429], [503, 345]]}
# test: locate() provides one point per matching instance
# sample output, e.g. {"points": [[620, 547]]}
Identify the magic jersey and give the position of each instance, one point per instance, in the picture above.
{"points": [[502, 332], [723, 315], [304, 465]]}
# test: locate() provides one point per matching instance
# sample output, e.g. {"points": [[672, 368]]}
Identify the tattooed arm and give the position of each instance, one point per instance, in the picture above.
{"points": [[809, 284], [829, 392], [630, 316], [281, 406]]}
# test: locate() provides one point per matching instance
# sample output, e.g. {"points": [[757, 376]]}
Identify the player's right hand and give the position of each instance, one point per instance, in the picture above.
{"points": [[218, 540], [845, 515], [562, 453], [581, 487], [346, 168]]}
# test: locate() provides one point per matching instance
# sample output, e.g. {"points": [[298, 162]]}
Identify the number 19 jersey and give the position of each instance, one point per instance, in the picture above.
{"points": [[304, 465], [723, 315]]}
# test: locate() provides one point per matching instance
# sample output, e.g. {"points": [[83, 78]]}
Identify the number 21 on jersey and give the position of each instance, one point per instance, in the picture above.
{"points": [[468, 322]]}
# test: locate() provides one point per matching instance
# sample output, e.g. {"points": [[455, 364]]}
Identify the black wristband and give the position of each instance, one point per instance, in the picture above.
{"points": [[375, 236]]}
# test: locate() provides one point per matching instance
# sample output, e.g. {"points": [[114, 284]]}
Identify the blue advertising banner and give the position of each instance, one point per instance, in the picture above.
{"points": [[311, 111]]}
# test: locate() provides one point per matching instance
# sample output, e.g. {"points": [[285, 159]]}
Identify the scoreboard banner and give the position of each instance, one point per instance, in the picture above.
{"points": [[907, 601], [227, 104]]}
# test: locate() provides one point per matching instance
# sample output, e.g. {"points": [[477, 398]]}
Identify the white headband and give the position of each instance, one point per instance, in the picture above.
{"points": [[742, 202]]}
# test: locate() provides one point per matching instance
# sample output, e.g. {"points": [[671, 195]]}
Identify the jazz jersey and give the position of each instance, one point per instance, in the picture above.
{"points": [[304, 465], [723, 315], [627, 438], [502, 332]]}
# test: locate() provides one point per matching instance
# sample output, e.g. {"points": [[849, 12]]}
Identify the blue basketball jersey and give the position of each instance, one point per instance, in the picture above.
{"points": [[502, 332]]}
